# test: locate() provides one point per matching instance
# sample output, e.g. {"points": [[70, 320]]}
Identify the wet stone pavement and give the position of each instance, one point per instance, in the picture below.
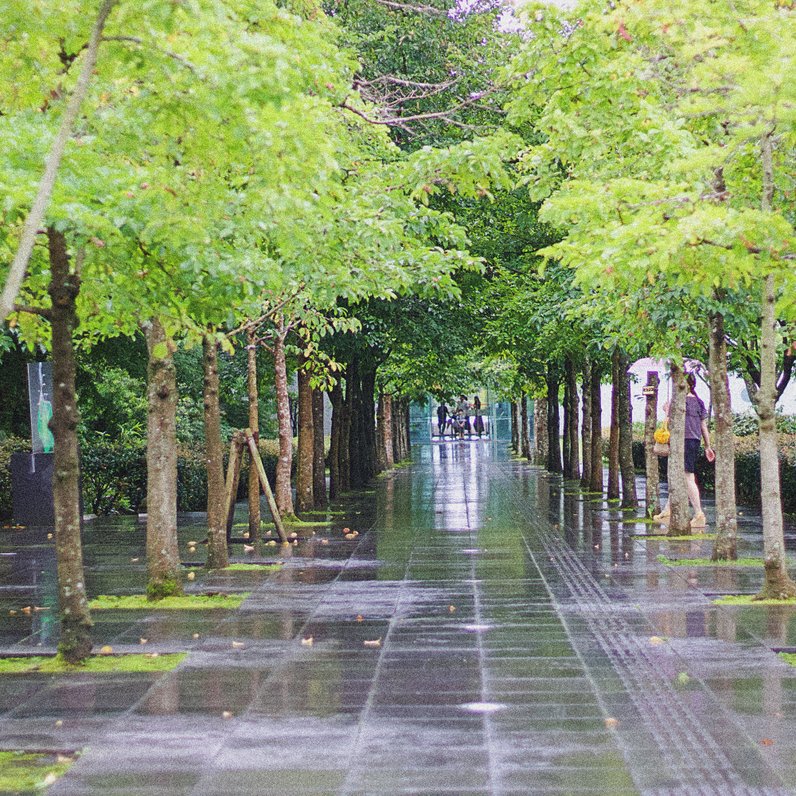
{"points": [[491, 630]]}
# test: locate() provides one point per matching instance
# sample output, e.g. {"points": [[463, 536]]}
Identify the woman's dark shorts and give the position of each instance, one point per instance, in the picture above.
{"points": [[691, 451]]}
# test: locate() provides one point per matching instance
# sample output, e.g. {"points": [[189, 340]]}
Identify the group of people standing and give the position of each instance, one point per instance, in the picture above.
{"points": [[457, 421]]}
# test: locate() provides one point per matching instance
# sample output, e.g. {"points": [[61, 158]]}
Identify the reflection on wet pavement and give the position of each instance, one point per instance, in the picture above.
{"points": [[490, 631]]}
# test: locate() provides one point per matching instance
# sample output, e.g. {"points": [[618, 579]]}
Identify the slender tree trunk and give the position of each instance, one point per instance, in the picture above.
{"points": [[777, 582], [596, 483], [553, 420], [525, 440], [585, 426], [163, 556], [30, 228], [217, 557], [407, 427], [356, 438], [651, 465], [540, 434], [369, 422], [284, 464], [573, 472], [305, 500], [385, 449], [565, 434], [678, 496], [336, 397], [626, 467], [318, 461], [613, 442], [75, 641], [725, 546], [515, 427], [345, 431], [254, 425]]}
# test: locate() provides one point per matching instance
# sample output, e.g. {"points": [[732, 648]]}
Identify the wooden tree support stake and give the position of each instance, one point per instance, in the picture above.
{"points": [[269, 495], [233, 477]]}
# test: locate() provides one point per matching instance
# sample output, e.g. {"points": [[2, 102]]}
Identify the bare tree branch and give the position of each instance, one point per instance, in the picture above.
{"points": [[415, 9], [141, 43]]}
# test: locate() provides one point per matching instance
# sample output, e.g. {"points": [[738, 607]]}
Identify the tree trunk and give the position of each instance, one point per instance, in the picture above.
{"points": [[565, 435], [305, 500], [407, 424], [585, 426], [75, 641], [336, 397], [385, 431], [596, 483], [651, 464], [777, 584], [254, 425], [369, 422], [553, 421], [573, 472], [515, 427], [626, 467], [318, 460], [284, 464], [613, 442], [345, 432], [525, 440], [33, 221], [777, 581], [725, 546], [678, 496], [163, 556], [217, 556], [540, 435]]}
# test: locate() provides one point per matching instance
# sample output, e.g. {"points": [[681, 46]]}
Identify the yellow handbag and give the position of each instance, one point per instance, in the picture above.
{"points": [[661, 436]]}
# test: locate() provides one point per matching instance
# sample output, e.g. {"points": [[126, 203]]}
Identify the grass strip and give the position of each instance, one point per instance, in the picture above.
{"points": [[185, 602], [137, 662], [243, 567], [707, 562], [30, 771], [748, 599], [788, 657]]}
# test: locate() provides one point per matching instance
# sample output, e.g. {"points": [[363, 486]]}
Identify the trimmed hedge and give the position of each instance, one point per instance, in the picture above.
{"points": [[114, 475]]}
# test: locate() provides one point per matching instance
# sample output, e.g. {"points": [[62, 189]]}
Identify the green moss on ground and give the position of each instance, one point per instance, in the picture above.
{"points": [[152, 662], [657, 537], [634, 520], [186, 602], [241, 567], [747, 599], [788, 657], [706, 562], [30, 771]]}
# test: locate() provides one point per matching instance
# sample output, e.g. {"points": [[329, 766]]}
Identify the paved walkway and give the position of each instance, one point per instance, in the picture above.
{"points": [[489, 631]]}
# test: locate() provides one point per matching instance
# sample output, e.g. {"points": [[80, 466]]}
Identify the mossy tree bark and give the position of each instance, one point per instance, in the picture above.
{"points": [[540, 435], [613, 440], [368, 415], [284, 463], [75, 641], [678, 496], [585, 426], [163, 557], [652, 498], [217, 555], [305, 500], [318, 461], [553, 420], [254, 425], [626, 468], [725, 546], [596, 447]]}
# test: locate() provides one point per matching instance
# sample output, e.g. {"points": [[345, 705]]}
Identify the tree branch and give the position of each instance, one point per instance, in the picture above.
{"points": [[421, 9], [141, 43]]}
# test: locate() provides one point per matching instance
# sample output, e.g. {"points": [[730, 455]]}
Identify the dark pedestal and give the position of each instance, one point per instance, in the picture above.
{"points": [[32, 488]]}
